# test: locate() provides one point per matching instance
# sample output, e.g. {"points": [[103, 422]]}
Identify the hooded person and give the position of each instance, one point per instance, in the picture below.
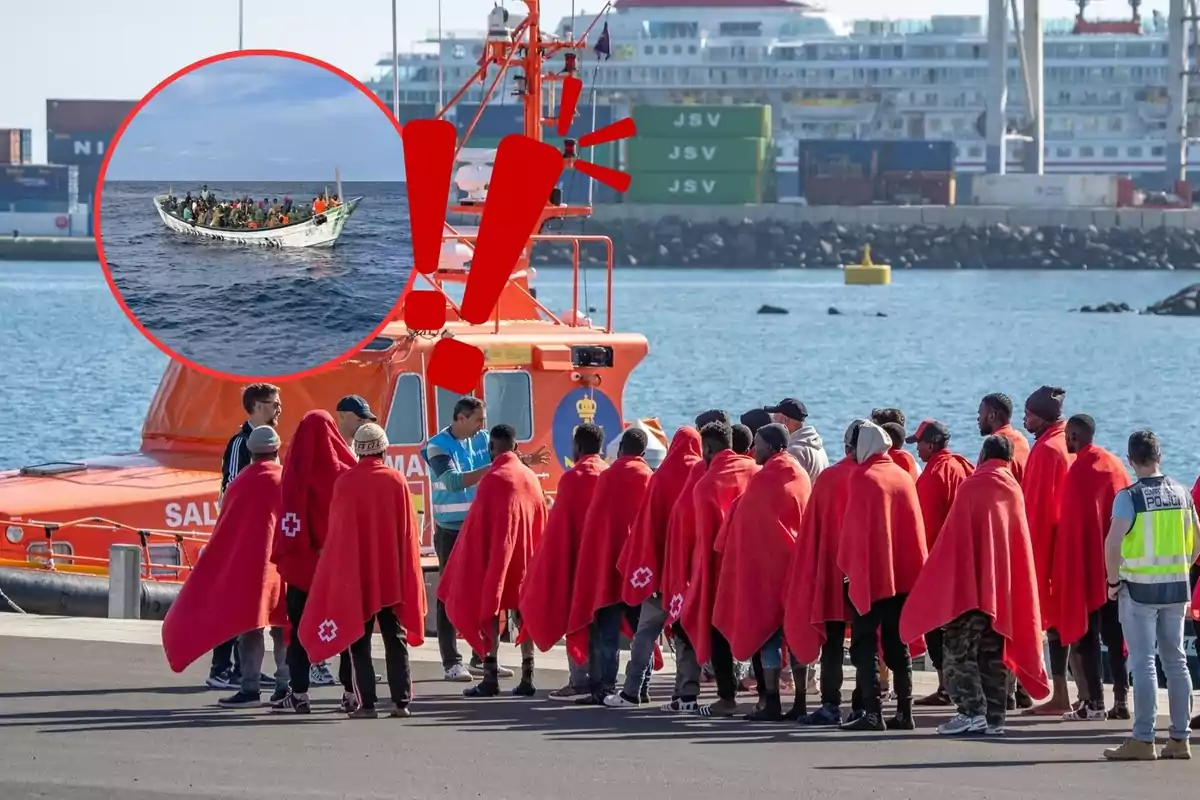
{"points": [[641, 564], [677, 569], [369, 575], [944, 472], [1078, 607], [815, 605], [234, 591], [804, 443], [1042, 484], [597, 611], [483, 576], [696, 640], [545, 600], [980, 585], [316, 457], [995, 418], [881, 552], [756, 548]]}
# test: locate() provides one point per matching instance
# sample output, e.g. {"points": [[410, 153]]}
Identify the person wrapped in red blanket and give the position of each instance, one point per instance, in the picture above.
{"points": [[545, 602], [980, 584], [815, 606], [944, 472], [756, 548], [1078, 607], [483, 576], [597, 611], [369, 575], [995, 418], [892, 421], [316, 457], [881, 551], [696, 641], [234, 589]]}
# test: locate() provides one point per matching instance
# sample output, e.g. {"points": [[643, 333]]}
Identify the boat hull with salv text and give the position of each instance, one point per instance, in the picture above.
{"points": [[322, 230]]}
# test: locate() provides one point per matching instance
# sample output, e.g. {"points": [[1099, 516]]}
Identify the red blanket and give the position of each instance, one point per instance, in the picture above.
{"points": [[983, 561], [906, 460], [936, 487], [545, 600], [1078, 577], [484, 574], [234, 587], [610, 517], [882, 547], [371, 561], [758, 542], [1020, 450], [315, 458], [641, 561], [727, 477], [1042, 484], [814, 593], [681, 544]]}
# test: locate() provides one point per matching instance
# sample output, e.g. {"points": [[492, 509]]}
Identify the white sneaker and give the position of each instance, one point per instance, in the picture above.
{"points": [[961, 723], [994, 730], [319, 675], [618, 701], [459, 674]]}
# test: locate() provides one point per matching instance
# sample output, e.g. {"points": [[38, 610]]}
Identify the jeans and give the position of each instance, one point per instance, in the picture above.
{"points": [[578, 675], [252, 647], [640, 665], [604, 649], [443, 544], [772, 655], [1144, 625]]}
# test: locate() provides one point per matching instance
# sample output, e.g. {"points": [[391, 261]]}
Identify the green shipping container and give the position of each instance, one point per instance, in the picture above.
{"points": [[697, 155], [692, 188], [703, 122], [603, 154]]}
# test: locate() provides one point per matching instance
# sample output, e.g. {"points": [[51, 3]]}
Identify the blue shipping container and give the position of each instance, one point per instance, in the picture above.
{"points": [[44, 184], [77, 148], [497, 121], [833, 158], [917, 155], [89, 174], [575, 187]]}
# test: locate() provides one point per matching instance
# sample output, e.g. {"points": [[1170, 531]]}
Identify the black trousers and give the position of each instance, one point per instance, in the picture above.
{"points": [[1104, 624], [832, 660], [722, 664], [1059, 655], [226, 656], [443, 544], [297, 656], [935, 645], [881, 623], [395, 648]]}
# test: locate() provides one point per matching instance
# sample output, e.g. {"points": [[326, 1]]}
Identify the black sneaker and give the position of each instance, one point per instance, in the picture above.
{"points": [[1120, 710], [484, 688], [241, 700], [278, 695], [867, 722], [292, 704], [644, 699], [590, 700], [221, 680], [524, 689], [825, 716], [901, 722]]}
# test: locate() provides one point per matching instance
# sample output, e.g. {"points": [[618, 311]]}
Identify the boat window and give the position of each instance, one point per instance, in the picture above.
{"points": [[166, 555], [36, 553], [509, 398], [445, 406], [406, 417]]}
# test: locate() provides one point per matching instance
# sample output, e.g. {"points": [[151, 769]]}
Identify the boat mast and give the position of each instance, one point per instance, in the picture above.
{"points": [[533, 71], [395, 68]]}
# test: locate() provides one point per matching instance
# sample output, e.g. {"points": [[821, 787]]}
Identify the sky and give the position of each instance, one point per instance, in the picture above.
{"points": [[259, 118], [83, 49]]}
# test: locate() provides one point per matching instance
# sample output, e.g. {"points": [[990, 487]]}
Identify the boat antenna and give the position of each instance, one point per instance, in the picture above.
{"points": [[241, 22], [441, 74], [337, 177], [395, 68]]}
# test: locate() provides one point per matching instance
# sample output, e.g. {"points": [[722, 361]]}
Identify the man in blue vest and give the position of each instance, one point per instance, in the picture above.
{"points": [[1152, 542], [458, 458]]}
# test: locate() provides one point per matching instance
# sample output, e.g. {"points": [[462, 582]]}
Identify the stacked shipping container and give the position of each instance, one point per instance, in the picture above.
{"points": [[26, 189], [16, 146], [78, 133], [855, 173], [700, 155]]}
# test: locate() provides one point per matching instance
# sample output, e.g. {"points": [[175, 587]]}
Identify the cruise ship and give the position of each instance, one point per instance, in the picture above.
{"points": [[827, 77]]}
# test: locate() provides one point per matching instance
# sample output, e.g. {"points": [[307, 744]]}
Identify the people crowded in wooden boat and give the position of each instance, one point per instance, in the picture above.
{"points": [[245, 213]]}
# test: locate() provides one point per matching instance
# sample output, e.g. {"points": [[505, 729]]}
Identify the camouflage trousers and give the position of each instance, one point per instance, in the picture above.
{"points": [[973, 665]]}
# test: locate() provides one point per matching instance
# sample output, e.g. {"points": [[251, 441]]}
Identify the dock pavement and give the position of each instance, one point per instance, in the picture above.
{"points": [[89, 710]]}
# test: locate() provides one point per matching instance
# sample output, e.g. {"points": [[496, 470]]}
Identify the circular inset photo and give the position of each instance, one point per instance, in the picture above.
{"points": [[250, 215]]}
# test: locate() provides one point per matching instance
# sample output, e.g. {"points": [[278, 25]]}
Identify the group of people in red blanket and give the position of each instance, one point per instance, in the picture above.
{"points": [[738, 548]]}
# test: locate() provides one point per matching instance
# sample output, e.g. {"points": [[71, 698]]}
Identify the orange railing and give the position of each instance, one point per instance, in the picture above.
{"points": [[49, 560]]}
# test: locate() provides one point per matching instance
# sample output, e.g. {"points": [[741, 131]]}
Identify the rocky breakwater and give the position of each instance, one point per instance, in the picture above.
{"points": [[677, 242], [1184, 303]]}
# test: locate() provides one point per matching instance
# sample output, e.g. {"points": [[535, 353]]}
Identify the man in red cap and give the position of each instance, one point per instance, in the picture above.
{"points": [[1042, 485], [944, 472]]}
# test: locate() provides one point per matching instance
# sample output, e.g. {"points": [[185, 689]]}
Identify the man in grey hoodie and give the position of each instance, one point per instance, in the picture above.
{"points": [[804, 443]]}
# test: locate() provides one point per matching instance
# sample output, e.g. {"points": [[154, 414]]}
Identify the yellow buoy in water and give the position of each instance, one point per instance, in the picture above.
{"points": [[867, 273]]}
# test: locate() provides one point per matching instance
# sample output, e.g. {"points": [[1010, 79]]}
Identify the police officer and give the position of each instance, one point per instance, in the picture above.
{"points": [[1151, 545]]}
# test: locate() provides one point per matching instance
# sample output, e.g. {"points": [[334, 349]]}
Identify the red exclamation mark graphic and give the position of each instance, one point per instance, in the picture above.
{"points": [[571, 90], [523, 175], [428, 163]]}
